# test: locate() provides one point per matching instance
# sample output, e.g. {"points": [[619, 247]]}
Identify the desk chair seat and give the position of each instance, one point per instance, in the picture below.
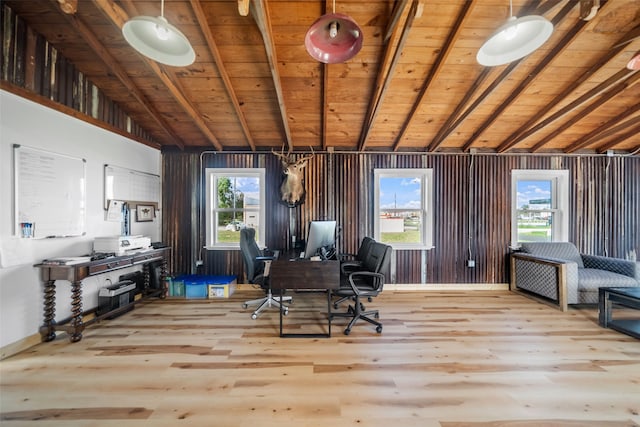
{"points": [[256, 266]]}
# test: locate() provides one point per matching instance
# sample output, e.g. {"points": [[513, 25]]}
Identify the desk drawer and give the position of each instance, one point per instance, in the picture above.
{"points": [[110, 265]]}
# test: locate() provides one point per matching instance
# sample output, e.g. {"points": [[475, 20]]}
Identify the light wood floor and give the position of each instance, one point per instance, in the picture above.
{"points": [[444, 359]]}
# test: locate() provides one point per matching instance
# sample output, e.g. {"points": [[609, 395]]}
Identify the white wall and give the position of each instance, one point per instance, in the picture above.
{"points": [[21, 292]]}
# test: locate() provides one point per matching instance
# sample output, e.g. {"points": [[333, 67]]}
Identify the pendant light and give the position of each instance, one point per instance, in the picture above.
{"points": [[333, 38], [634, 63], [155, 38], [515, 39]]}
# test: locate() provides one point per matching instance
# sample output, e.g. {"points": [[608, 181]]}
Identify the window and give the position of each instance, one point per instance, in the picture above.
{"points": [[235, 199], [540, 203], [403, 216]]}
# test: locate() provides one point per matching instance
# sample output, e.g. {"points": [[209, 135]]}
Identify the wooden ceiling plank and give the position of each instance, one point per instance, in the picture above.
{"points": [[573, 105], [261, 16], [391, 56], [118, 17], [452, 37], [519, 134], [634, 131], [553, 53], [601, 131], [215, 52], [449, 126], [114, 67], [606, 97]]}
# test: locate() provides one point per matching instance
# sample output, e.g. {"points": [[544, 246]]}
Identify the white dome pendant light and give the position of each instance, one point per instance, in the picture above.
{"points": [[155, 38], [516, 38]]}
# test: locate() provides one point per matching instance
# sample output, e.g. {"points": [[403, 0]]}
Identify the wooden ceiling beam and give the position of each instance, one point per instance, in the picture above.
{"points": [[260, 14], [452, 37], [118, 17], [391, 56], [555, 51], [114, 67], [527, 129], [217, 57], [606, 97], [602, 130]]}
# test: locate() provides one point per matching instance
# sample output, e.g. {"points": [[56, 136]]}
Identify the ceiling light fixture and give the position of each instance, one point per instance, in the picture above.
{"points": [[634, 63], [516, 38], [333, 38], [155, 38]]}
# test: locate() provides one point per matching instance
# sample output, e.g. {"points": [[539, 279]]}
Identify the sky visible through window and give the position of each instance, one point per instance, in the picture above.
{"points": [[534, 194], [400, 193]]}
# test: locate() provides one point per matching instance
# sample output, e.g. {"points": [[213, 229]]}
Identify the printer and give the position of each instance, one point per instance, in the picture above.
{"points": [[121, 245]]}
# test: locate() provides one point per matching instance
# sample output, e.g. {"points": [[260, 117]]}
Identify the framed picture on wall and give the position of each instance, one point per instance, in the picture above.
{"points": [[145, 213]]}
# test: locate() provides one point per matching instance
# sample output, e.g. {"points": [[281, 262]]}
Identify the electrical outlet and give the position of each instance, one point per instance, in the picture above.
{"points": [[199, 263], [610, 153], [471, 263]]}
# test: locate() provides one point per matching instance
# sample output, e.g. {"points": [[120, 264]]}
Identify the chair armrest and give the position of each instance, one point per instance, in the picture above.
{"points": [[551, 278], [615, 265], [378, 280], [265, 258], [347, 267]]}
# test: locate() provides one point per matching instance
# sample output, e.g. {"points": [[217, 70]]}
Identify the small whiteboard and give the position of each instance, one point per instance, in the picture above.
{"points": [[130, 186], [50, 192]]}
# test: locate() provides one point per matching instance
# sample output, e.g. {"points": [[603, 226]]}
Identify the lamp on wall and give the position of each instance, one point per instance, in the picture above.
{"points": [[333, 38], [155, 38], [516, 38]]}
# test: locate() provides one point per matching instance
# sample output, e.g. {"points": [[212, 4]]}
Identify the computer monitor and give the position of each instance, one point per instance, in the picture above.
{"points": [[321, 234]]}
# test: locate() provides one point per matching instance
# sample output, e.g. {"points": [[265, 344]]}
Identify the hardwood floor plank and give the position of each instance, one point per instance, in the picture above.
{"points": [[479, 359]]}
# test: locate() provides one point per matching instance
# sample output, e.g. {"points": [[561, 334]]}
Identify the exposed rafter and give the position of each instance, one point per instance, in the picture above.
{"points": [[118, 17], [435, 70], [528, 128], [602, 131], [390, 57], [213, 48], [261, 15], [553, 53]]}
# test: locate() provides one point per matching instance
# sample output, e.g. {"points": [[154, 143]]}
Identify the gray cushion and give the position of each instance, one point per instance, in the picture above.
{"points": [[557, 250], [592, 279]]}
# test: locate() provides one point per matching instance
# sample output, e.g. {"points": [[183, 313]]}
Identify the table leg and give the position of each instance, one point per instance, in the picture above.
{"points": [[48, 330], [329, 310], [77, 325], [604, 308]]}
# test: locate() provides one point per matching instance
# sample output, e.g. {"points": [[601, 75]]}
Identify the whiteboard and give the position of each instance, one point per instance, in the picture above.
{"points": [[50, 192], [130, 185]]}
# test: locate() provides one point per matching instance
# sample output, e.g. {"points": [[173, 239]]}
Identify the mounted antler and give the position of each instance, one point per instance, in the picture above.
{"points": [[292, 189]]}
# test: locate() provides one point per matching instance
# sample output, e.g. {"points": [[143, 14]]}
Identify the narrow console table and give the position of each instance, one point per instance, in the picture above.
{"points": [[76, 273]]}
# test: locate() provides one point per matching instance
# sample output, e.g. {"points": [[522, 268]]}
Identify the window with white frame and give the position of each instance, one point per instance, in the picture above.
{"points": [[403, 200], [235, 198], [540, 206]]}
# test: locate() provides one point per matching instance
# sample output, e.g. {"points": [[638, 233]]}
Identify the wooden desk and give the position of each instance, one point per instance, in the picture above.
{"points": [[302, 274], [78, 272]]}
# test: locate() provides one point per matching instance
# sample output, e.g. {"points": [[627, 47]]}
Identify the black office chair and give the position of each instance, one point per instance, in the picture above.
{"points": [[365, 283], [353, 262], [256, 267]]}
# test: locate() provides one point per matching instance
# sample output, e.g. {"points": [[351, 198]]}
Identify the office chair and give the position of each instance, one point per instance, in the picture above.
{"points": [[353, 262], [256, 267], [366, 282]]}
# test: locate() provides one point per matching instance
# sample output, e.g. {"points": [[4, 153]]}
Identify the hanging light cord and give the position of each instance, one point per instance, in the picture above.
{"points": [[334, 6], [162, 8]]}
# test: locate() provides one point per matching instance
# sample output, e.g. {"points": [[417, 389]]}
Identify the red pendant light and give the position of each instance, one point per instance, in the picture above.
{"points": [[634, 63], [333, 38]]}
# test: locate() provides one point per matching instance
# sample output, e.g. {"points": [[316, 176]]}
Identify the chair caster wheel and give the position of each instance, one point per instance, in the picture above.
{"points": [[379, 329], [377, 316], [335, 306], [285, 312], [254, 316], [244, 306], [347, 331]]}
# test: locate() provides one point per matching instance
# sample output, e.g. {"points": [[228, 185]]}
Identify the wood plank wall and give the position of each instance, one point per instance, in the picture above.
{"points": [[30, 62], [472, 203]]}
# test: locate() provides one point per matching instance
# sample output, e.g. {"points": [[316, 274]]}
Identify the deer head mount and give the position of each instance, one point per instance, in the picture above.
{"points": [[292, 190]]}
